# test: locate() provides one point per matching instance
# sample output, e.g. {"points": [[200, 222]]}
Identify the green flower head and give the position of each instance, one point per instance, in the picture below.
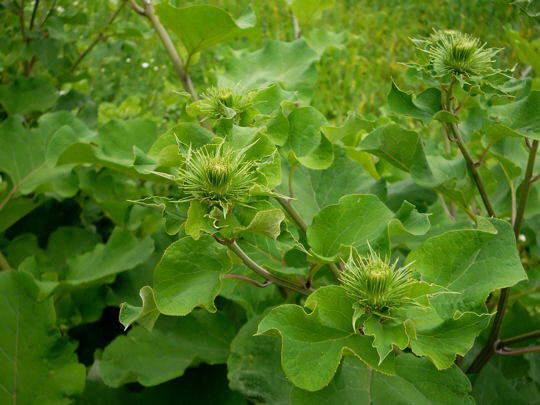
{"points": [[223, 102], [217, 176], [454, 53], [375, 283]]}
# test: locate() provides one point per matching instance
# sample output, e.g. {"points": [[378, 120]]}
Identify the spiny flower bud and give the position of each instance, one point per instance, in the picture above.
{"points": [[376, 284], [224, 102], [454, 53], [217, 176]]}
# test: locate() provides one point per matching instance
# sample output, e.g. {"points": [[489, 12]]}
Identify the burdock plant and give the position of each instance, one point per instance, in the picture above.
{"points": [[224, 103], [455, 54], [217, 176], [376, 284]]}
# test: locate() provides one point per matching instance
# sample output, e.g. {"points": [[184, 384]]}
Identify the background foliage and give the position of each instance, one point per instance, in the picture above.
{"points": [[89, 102]]}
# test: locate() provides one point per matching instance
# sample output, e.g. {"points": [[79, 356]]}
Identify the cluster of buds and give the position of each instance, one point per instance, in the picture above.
{"points": [[375, 284], [455, 54], [224, 103], [217, 176]]}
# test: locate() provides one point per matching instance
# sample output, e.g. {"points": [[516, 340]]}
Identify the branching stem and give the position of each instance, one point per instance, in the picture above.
{"points": [[490, 348], [517, 339], [295, 215], [249, 280], [178, 64], [261, 271], [452, 133], [99, 37]]}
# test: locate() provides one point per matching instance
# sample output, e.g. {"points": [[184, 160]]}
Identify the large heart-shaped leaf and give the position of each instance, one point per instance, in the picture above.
{"points": [[313, 343], [202, 26]]}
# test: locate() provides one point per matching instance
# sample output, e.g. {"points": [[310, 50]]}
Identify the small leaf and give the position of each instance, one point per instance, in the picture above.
{"points": [[446, 117], [145, 315], [422, 107], [306, 140], [197, 221], [189, 275], [265, 223]]}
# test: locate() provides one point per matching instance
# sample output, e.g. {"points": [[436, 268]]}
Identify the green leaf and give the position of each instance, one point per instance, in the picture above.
{"points": [[313, 343], [146, 315], [188, 133], [197, 221], [386, 334], [189, 275], [121, 252], [28, 94], [350, 132], [15, 209], [37, 362], [442, 339], [401, 148], [494, 388], [254, 366], [202, 26], [121, 146], [522, 115], [306, 140], [290, 64], [357, 219], [336, 181], [307, 11], [266, 223], [29, 156], [416, 382], [153, 357], [255, 370], [471, 262], [423, 107], [321, 39], [446, 117]]}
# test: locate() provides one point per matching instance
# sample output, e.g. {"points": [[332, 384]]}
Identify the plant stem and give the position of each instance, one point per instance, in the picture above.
{"points": [[517, 339], [249, 280], [472, 168], [452, 133], [518, 351], [100, 36], [296, 217], [525, 189], [250, 263], [178, 64], [4, 264], [489, 348], [296, 27], [34, 11], [20, 13], [299, 221]]}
